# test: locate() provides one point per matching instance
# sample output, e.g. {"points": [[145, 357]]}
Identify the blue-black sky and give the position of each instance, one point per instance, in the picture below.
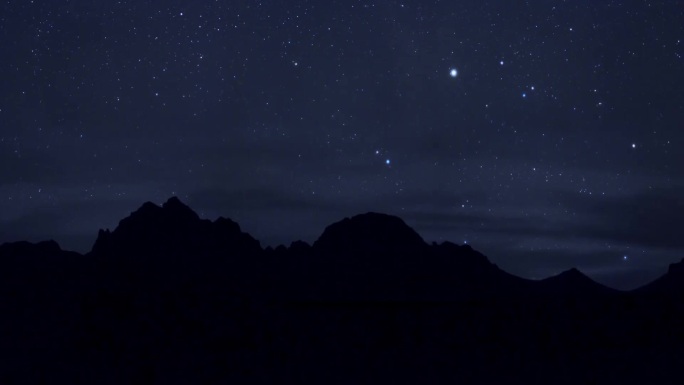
{"points": [[557, 143]]}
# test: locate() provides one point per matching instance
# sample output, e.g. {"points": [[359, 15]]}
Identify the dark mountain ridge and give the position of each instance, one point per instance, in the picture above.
{"points": [[369, 256], [173, 230], [170, 298], [574, 282]]}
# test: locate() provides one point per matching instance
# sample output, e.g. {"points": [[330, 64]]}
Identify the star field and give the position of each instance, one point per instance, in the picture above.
{"points": [[546, 134]]}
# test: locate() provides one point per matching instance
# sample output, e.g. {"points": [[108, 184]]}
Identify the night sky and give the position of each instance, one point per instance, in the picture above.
{"points": [[546, 134]]}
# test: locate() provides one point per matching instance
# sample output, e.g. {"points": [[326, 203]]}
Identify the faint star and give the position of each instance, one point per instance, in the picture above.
{"points": [[524, 95], [387, 162], [501, 62], [624, 257], [633, 145]]}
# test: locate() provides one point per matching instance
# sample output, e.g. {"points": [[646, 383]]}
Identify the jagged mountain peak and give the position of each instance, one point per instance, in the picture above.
{"points": [[172, 227], [227, 225], [171, 213], [175, 207]]}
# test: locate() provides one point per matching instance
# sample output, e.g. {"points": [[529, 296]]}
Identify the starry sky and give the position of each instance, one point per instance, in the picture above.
{"points": [[547, 134]]}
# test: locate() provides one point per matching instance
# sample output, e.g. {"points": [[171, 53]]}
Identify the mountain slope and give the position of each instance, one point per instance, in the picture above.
{"points": [[573, 283], [168, 297]]}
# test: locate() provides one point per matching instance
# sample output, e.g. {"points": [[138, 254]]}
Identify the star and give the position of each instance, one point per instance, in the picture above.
{"points": [[455, 135]]}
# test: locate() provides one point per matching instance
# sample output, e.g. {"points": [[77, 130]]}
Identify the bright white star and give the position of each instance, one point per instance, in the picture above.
{"points": [[453, 73]]}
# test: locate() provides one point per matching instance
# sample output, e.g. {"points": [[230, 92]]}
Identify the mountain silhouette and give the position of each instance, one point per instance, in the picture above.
{"points": [[574, 282], [172, 229], [670, 284], [39, 266], [170, 298], [370, 233]]}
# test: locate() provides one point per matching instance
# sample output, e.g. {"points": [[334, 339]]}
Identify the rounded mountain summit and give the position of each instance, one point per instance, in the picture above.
{"points": [[370, 233]]}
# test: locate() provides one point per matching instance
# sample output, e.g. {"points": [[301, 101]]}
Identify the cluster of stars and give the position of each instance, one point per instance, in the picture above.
{"points": [[385, 99]]}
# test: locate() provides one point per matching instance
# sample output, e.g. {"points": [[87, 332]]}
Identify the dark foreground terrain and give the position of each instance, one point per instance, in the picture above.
{"points": [[168, 298]]}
